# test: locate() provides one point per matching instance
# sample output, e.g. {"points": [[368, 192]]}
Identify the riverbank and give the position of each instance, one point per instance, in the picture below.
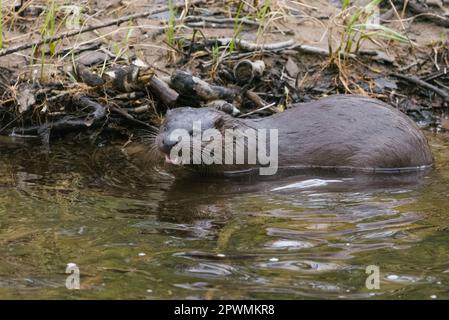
{"points": [[112, 69]]}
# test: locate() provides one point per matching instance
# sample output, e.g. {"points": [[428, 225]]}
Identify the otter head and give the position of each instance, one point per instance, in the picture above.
{"points": [[182, 125]]}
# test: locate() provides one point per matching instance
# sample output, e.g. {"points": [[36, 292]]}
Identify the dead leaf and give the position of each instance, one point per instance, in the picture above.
{"points": [[292, 68], [25, 100]]}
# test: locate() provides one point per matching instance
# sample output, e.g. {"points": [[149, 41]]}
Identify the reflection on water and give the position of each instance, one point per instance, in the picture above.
{"points": [[135, 231]]}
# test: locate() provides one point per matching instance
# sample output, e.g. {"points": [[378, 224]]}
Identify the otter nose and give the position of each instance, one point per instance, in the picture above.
{"points": [[168, 143]]}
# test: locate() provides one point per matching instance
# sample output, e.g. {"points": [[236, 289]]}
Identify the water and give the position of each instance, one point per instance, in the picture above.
{"points": [[137, 232]]}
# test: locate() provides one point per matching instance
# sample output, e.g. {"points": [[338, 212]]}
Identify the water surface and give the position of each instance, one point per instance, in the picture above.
{"points": [[136, 231]]}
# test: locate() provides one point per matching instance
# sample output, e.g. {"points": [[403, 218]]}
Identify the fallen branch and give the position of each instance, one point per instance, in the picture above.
{"points": [[162, 91], [291, 44], [68, 123], [373, 54], [193, 21], [254, 97], [423, 10], [222, 20], [88, 77], [98, 111], [72, 33], [413, 79], [251, 46], [125, 114], [194, 89], [257, 110]]}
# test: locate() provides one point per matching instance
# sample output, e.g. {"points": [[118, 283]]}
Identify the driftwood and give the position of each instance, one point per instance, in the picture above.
{"points": [[292, 45], [88, 77], [65, 124], [98, 111], [222, 21], [251, 46], [126, 86], [254, 97], [69, 123], [212, 22], [372, 54], [129, 117], [162, 91], [127, 79], [194, 90], [415, 80], [422, 10]]}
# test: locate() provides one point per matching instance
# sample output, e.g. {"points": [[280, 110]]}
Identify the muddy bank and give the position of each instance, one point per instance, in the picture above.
{"points": [[113, 70]]}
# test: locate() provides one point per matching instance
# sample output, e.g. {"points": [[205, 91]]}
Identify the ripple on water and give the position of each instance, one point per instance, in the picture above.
{"points": [[305, 266], [235, 239], [290, 244], [211, 269]]}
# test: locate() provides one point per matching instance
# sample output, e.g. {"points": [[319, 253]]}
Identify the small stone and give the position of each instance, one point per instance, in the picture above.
{"points": [[274, 259], [433, 296], [141, 254], [392, 277]]}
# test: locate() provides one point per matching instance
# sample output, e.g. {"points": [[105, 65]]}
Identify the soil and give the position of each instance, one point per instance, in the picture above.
{"points": [[291, 75]]}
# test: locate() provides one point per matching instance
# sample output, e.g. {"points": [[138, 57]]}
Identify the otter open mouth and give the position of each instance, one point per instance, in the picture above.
{"points": [[175, 161]]}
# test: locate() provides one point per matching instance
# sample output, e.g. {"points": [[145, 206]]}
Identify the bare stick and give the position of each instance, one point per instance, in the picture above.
{"points": [[258, 110], [72, 33], [251, 46], [291, 44], [162, 91], [211, 21], [194, 88], [424, 84]]}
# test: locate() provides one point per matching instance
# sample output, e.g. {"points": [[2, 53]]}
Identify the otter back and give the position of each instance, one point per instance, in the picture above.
{"points": [[348, 131]]}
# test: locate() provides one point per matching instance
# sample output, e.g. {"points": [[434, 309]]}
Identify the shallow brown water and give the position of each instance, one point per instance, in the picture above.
{"points": [[137, 232]]}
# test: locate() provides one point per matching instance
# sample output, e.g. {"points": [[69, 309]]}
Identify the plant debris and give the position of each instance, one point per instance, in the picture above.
{"points": [[91, 87]]}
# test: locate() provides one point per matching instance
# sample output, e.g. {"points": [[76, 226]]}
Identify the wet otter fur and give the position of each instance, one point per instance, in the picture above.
{"points": [[339, 131]]}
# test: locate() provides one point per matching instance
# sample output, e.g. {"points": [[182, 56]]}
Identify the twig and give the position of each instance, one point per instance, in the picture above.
{"points": [[257, 110], [251, 46], [72, 33], [254, 97], [435, 18], [397, 14], [372, 54], [424, 84], [225, 21], [162, 91], [125, 114], [291, 44]]}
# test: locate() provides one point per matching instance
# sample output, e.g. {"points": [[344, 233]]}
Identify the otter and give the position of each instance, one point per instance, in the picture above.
{"points": [[338, 132]]}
